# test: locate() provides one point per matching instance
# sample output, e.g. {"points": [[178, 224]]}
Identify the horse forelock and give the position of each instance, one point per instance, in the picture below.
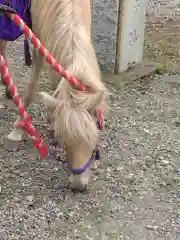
{"points": [[74, 117]]}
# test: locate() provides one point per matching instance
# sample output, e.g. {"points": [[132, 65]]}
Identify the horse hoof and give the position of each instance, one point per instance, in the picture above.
{"points": [[11, 145], [2, 111]]}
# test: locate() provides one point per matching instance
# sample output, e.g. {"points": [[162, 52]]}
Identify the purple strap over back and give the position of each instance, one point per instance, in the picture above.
{"points": [[9, 31]]}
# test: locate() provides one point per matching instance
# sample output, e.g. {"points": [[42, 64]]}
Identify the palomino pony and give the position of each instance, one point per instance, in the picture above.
{"points": [[64, 28]]}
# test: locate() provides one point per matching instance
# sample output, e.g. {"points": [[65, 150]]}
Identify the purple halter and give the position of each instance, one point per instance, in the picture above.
{"points": [[95, 156]]}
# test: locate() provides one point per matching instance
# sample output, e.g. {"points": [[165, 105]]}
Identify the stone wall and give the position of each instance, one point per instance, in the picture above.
{"points": [[104, 32]]}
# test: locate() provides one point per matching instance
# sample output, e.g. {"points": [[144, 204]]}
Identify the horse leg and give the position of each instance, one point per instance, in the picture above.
{"points": [[87, 15], [3, 45], [2, 52], [14, 138]]}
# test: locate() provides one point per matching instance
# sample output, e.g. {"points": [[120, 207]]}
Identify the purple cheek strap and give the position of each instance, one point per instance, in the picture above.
{"points": [[27, 54]]}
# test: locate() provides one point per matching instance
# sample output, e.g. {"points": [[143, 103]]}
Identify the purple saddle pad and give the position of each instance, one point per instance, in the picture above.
{"points": [[9, 31]]}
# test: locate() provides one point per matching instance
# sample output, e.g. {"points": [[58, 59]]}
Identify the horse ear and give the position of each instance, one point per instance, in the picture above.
{"points": [[96, 99], [48, 100]]}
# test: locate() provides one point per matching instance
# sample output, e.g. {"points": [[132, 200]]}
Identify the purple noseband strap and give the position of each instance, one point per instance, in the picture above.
{"points": [[95, 155]]}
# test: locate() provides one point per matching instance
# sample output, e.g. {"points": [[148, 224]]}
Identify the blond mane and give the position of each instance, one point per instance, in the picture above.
{"points": [[65, 34]]}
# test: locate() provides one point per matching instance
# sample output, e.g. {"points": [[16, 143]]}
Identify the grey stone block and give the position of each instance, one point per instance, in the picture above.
{"points": [[141, 71], [104, 32]]}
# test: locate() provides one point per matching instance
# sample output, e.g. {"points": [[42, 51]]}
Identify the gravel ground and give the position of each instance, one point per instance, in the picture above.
{"points": [[135, 191], [162, 35]]}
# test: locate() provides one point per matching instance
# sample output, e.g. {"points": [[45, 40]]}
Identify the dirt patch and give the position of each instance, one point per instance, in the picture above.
{"points": [[163, 44], [162, 41]]}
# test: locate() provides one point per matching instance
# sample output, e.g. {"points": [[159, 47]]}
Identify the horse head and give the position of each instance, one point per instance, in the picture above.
{"points": [[74, 118]]}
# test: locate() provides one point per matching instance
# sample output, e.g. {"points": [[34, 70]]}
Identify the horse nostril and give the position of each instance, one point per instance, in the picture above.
{"points": [[85, 189], [81, 189]]}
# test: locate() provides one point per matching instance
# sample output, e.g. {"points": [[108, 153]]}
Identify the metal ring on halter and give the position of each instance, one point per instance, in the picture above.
{"points": [[6, 9]]}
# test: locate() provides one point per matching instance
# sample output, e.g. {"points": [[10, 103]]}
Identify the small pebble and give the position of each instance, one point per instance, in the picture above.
{"points": [[151, 227], [165, 162], [30, 198]]}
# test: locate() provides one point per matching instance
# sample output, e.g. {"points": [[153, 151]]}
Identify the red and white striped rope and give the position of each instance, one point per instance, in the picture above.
{"points": [[27, 121], [49, 58]]}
